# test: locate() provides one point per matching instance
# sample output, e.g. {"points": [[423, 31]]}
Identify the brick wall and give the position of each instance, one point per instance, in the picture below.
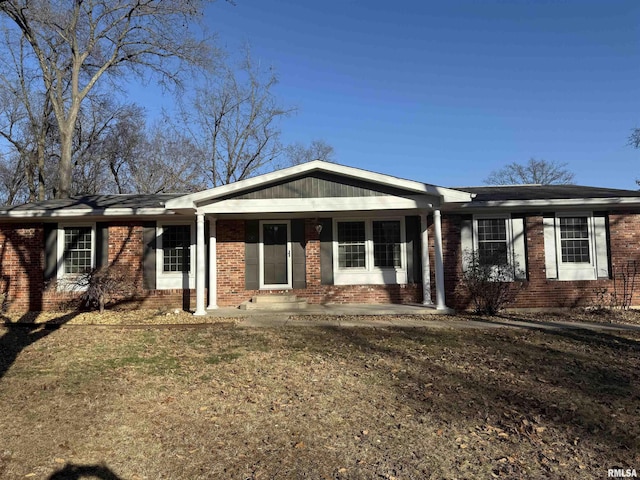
{"points": [[21, 266], [231, 279], [538, 291], [22, 263]]}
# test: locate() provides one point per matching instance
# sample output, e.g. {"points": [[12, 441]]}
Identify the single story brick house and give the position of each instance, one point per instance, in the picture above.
{"points": [[326, 233]]}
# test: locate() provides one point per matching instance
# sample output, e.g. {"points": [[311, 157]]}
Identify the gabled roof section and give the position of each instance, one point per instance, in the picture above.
{"points": [[321, 169]]}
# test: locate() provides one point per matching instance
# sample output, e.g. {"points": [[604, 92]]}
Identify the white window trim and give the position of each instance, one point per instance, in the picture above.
{"points": [[576, 271], [508, 228], [370, 275], [66, 282], [174, 280], [508, 224], [277, 286]]}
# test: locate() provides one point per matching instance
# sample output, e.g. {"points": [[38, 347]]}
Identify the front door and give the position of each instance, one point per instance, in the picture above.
{"points": [[275, 263]]}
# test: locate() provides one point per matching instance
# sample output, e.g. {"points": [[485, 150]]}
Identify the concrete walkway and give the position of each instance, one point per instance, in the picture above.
{"points": [[273, 320], [398, 316]]}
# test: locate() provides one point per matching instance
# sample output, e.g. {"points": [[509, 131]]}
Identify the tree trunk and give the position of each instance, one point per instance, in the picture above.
{"points": [[64, 166]]}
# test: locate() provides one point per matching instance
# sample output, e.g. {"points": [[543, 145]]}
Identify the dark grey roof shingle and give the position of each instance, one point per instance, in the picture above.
{"points": [[544, 192]]}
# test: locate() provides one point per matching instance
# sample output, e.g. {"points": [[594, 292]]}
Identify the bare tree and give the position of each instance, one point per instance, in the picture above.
{"points": [[12, 181], [634, 141], [634, 138], [235, 118], [298, 153], [124, 146], [533, 172], [26, 119], [76, 44], [164, 163]]}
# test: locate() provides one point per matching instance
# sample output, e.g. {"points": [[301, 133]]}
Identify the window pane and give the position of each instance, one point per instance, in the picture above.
{"points": [[574, 239], [351, 245], [77, 249], [386, 244], [176, 246], [492, 241]]}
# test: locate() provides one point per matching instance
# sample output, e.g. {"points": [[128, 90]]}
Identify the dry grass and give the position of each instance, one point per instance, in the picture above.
{"points": [[227, 402]]}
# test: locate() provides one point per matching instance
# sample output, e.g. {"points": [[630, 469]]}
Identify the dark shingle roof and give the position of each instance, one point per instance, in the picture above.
{"points": [[544, 192], [99, 202]]}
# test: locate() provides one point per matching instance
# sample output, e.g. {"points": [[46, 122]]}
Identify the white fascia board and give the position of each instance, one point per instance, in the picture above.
{"points": [[571, 202], [329, 204], [191, 200], [78, 212]]}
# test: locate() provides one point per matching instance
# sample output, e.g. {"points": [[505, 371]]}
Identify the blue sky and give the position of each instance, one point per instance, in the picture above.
{"points": [[446, 91]]}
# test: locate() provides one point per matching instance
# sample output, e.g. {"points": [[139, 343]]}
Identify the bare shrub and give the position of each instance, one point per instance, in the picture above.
{"points": [[105, 284], [624, 284], [491, 285], [620, 297]]}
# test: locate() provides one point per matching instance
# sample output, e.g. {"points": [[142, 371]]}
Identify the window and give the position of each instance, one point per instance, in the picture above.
{"points": [[75, 254], [351, 245], [495, 240], [386, 244], [77, 250], [175, 255], [176, 248], [574, 239], [576, 246], [492, 241], [369, 252]]}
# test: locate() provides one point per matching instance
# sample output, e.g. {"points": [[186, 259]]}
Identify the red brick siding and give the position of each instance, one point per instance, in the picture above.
{"points": [[231, 280], [22, 263], [126, 247], [538, 291], [21, 266]]}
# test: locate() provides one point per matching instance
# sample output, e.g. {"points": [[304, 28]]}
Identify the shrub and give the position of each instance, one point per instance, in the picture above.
{"points": [[103, 285], [491, 286]]}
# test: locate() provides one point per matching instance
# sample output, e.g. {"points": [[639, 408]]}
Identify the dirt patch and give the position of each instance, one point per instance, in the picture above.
{"points": [[227, 402], [115, 317]]}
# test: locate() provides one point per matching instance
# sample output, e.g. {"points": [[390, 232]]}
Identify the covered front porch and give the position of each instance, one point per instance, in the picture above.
{"points": [[302, 259], [325, 232]]}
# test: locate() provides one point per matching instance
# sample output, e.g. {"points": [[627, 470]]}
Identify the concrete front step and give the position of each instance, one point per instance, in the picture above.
{"points": [[275, 298], [274, 303]]}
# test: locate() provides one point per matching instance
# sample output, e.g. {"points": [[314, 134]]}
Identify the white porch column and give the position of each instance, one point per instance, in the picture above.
{"points": [[213, 269], [437, 224], [426, 267], [200, 265]]}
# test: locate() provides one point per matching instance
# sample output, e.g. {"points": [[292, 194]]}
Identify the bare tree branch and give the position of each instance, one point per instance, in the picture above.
{"points": [[533, 172], [77, 43]]}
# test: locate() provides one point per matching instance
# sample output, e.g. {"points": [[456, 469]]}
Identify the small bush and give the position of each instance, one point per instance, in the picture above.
{"points": [[624, 287], [103, 285], [491, 287]]}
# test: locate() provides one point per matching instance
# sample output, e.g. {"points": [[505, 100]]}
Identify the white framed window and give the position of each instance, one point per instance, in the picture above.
{"points": [[576, 246], [75, 253], [369, 251], [352, 245], [496, 239], [175, 257], [493, 241]]}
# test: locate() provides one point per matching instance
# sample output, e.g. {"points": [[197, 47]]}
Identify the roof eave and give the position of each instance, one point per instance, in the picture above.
{"points": [[84, 212], [541, 203]]}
